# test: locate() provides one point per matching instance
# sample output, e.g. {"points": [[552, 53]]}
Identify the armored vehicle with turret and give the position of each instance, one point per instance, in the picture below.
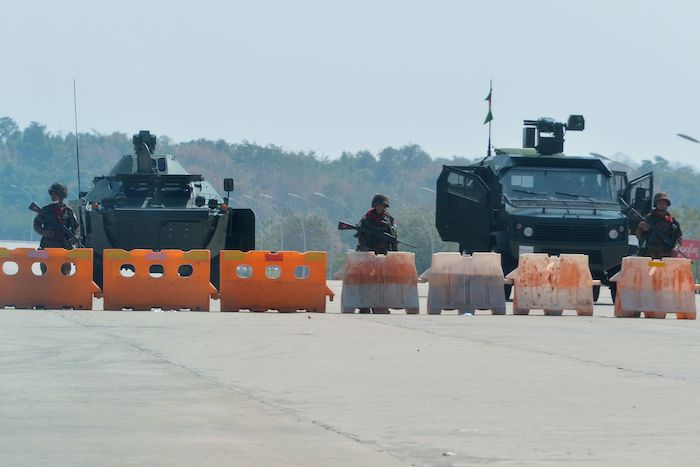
{"points": [[150, 201], [536, 199]]}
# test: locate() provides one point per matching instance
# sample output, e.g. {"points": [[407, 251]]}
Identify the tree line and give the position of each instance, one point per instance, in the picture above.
{"points": [[297, 196]]}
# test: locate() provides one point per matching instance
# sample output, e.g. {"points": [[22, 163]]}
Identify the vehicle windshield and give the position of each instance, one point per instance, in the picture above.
{"points": [[557, 184]]}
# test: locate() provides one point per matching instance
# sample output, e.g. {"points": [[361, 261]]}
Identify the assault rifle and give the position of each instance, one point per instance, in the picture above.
{"points": [[370, 231], [62, 228], [668, 241]]}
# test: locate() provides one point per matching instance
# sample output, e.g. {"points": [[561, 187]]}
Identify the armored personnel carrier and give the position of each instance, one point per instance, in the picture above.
{"points": [[535, 199], [150, 201]]}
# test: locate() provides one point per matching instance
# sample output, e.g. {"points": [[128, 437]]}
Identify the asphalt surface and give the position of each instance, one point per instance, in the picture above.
{"points": [[87, 388]]}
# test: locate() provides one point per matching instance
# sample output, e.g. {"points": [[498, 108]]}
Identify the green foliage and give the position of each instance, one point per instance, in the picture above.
{"points": [[287, 190]]}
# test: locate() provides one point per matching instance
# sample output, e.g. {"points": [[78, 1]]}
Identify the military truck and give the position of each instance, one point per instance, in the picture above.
{"points": [[535, 199], [150, 201]]}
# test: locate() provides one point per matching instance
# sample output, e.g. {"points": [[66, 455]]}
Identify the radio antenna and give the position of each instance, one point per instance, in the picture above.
{"points": [[77, 149]]}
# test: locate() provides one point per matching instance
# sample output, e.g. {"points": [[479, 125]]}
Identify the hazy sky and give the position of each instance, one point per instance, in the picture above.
{"points": [[330, 76]]}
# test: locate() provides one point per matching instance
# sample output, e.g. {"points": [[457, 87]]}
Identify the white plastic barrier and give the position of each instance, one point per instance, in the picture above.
{"points": [[552, 284], [466, 283], [380, 282], [655, 287]]}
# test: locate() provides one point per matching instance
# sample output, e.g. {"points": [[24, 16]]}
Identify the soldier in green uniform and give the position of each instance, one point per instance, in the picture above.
{"points": [[45, 221], [663, 239], [377, 220], [369, 235]]}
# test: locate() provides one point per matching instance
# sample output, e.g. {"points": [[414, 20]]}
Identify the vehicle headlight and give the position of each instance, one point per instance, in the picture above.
{"points": [[613, 234], [528, 231]]}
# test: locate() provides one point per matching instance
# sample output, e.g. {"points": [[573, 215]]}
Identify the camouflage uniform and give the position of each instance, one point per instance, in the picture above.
{"points": [[651, 243], [51, 235], [384, 223], [380, 223]]}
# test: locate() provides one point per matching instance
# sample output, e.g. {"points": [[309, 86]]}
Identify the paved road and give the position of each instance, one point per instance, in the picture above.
{"points": [[222, 389]]}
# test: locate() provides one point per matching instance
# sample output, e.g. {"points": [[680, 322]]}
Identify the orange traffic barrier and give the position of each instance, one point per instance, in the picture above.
{"points": [[552, 284], [655, 287], [286, 281], [380, 282], [49, 278], [466, 283], [167, 279]]}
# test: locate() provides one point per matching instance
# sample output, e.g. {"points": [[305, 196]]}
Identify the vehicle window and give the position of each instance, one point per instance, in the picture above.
{"points": [[466, 186], [525, 181], [558, 184]]}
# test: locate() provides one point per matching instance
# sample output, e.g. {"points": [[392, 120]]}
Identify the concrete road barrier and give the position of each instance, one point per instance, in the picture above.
{"points": [[466, 283], [380, 282], [655, 288], [552, 284]]}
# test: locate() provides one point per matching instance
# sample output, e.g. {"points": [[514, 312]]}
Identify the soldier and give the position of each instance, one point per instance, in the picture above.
{"points": [[663, 239], [373, 225], [370, 234], [53, 236]]}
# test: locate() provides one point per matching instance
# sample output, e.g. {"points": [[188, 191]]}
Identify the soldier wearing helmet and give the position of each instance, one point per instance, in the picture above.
{"points": [[659, 233], [379, 220], [51, 235]]}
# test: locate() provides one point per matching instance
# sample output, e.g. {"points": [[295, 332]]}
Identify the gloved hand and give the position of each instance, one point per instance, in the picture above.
{"points": [[644, 226]]}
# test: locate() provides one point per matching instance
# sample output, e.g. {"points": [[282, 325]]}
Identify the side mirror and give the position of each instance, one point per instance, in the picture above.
{"points": [[228, 185]]}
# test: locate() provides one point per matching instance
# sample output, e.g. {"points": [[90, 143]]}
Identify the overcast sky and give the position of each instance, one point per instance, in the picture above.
{"points": [[330, 76]]}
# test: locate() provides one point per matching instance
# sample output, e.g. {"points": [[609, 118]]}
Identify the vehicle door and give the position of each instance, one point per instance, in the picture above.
{"points": [[618, 183], [639, 194], [463, 211]]}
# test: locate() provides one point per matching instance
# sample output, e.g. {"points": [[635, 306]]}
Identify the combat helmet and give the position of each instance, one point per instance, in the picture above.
{"points": [[380, 199], [661, 196], [60, 189]]}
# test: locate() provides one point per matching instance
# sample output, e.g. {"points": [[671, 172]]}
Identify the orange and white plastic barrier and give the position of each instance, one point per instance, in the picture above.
{"points": [[167, 279], [262, 280], [552, 284], [380, 282], [49, 278], [466, 283], [655, 287]]}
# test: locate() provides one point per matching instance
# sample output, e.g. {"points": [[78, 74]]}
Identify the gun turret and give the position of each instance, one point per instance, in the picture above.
{"points": [[144, 146], [546, 135]]}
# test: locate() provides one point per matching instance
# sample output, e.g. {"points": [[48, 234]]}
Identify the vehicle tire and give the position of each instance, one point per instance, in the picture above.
{"points": [[596, 293], [97, 270], [214, 271], [507, 289], [241, 230], [613, 291], [508, 264]]}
